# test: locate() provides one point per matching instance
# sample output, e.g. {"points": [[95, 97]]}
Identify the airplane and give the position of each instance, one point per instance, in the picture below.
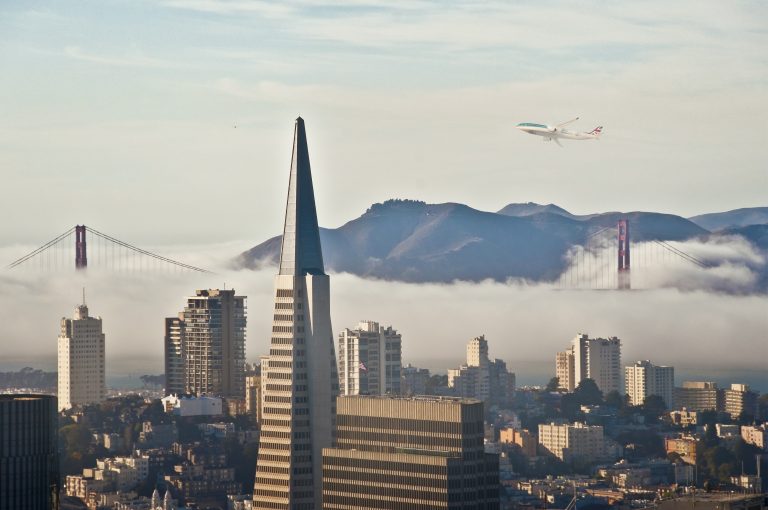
{"points": [[556, 132]]}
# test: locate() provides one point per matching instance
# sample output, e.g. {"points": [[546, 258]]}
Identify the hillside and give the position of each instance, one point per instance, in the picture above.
{"points": [[412, 241], [734, 218]]}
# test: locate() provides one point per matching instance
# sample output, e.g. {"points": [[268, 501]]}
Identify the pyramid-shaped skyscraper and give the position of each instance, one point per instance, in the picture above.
{"points": [[299, 381]]}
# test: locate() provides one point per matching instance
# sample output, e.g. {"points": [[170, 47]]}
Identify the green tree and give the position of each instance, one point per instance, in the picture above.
{"points": [[615, 399], [653, 407]]}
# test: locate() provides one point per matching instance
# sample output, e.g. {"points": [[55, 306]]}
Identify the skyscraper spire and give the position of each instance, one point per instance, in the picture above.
{"points": [[301, 253], [300, 378]]}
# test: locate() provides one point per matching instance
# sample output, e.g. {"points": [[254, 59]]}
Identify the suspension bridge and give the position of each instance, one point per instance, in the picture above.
{"points": [[609, 259], [83, 247]]}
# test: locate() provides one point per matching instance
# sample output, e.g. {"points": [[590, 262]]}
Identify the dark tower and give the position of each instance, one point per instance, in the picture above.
{"points": [[623, 235], [81, 257], [29, 457]]}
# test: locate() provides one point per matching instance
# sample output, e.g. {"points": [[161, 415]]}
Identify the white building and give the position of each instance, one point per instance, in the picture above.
{"points": [[192, 406], [576, 441], [369, 360], [756, 435], [643, 379], [301, 382], [81, 378], [598, 359]]}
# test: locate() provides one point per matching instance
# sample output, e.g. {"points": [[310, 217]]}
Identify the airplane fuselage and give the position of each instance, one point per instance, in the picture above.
{"points": [[554, 132]]}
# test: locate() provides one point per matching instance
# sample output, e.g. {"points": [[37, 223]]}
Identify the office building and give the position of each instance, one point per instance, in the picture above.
{"points": [[402, 453], [643, 379], [29, 459], [697, 396], [300, 385], [174, 356], [598, 359], [81, 378], [369, 360], [481, 378], [576, 441]]}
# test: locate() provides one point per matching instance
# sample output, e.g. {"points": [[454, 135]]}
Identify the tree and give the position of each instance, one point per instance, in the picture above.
{"points": [[653, 407], [588, 394], [614, 399], [553, 385]]}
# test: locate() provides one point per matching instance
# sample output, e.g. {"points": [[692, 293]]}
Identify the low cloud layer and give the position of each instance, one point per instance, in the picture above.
{"points": [[525, 324]]}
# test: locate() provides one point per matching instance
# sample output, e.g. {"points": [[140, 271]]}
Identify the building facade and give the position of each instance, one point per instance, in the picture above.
{"points": [[81, 370], [413, 380], [174, 355], [598, 359], [369, 360], [29, 458], [740, 399], [212, 344], [697, 396], [574, 441], [403, 453], [300, 384], [643, 379]]}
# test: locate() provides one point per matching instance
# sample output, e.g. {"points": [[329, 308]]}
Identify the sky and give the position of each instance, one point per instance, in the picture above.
{"points": [[168, 124], [170, 121]]}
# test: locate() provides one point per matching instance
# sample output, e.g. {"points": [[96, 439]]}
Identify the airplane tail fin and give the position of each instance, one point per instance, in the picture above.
{"points": [[597, 131]]}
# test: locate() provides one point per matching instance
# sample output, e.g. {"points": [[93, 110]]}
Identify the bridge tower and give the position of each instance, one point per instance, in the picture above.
{"points": [[81, 256], [623, 238]]}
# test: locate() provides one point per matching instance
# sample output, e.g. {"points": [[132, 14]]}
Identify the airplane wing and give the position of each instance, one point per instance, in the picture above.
{"points": [[567, 122]]}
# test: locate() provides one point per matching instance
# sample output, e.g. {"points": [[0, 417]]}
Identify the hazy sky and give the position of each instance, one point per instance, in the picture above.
{"points": [[121, 114]]}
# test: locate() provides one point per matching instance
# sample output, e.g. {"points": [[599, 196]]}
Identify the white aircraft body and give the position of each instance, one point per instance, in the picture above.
{"points": [[556, 132]]}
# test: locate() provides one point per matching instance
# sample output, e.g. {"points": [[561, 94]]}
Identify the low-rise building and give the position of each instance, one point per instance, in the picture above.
{"points": [[186, 405], [697, 396], [756, 435], [522, 438], [576, 441], [684, 417], [684, 446]]}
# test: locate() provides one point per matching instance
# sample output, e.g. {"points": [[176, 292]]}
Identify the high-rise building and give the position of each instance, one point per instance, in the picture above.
{"points": [[253, 395], [481, 378], [369, 360], [300, 384], [29, 458], [565, 371], [81, 377], [598, 359], [205, 345], [643, 379], [697, 396], [402, 453], [174, 355]]}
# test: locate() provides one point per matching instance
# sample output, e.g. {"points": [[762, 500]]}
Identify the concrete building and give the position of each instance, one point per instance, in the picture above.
{"points": [[643, 379], [684, 417], [598, 359], [81, 377], [522, 438], [301, 383], [369, 360], [565, 370], [191, 405], [684, 446], [697, 396], [739, 399], [29, 455], [209, 338], [756, 435], [174, 355], [253, 396], [481, 378], [575, 441], [420, 452]]}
